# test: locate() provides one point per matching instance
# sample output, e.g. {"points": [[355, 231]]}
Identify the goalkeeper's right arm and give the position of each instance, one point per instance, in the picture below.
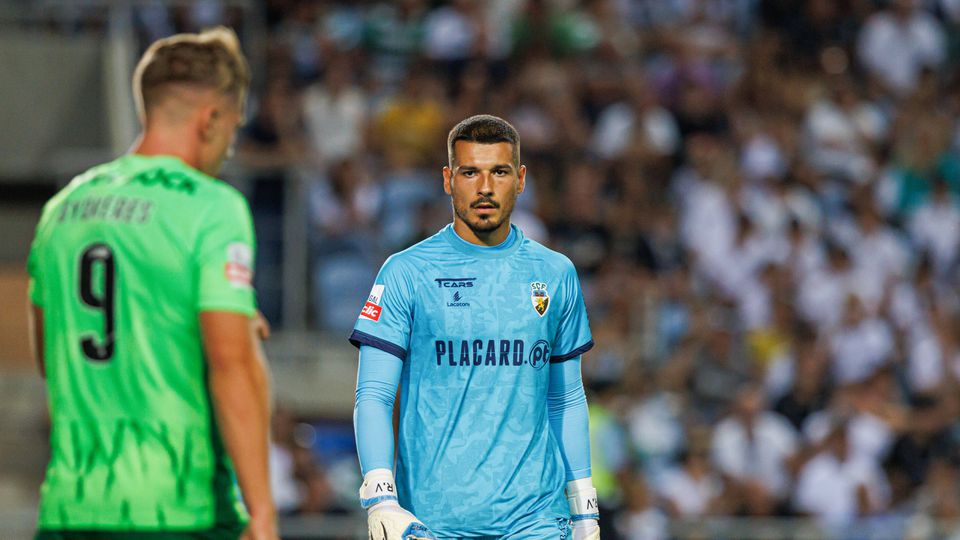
{"points": [[377, 378]]}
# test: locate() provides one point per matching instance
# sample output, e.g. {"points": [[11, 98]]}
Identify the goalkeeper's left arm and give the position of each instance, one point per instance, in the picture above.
{"points": [[377, 378], [569, 419]]}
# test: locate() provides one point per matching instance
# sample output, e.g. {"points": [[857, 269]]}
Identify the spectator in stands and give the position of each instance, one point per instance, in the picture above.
{"points": [[274, 139], [938, 498], [393, 35], [694, 488], [926, 440], [336, 113], [753, 448], [835, 486], [810, 386], [721, 365], [410, 125], [297, 481], [935, 227], [822, 294], [344, 207], [641, 518], [859, 345], [839, 128], [453, 34], [870, 415], [636, 125], [896, 43]]}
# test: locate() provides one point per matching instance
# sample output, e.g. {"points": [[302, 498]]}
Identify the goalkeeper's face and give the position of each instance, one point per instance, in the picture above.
{"points": [[484, 182]]}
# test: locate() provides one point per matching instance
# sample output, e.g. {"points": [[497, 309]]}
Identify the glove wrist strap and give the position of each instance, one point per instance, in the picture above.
{"points": [[582, 498], [378, 487]]}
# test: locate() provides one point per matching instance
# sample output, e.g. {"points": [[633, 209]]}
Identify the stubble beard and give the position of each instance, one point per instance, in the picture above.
{"points": [[480, 225]]}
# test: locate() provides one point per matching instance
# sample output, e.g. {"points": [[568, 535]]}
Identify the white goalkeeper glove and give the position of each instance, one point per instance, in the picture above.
{"points": [[584, 511], [386, 520]]}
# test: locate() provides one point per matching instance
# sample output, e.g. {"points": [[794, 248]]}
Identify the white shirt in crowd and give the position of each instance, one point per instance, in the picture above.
{"points": [[692, 497], [283, 486], [926, 365], [708, 221], [761, 158], [857, 351], [621, 125], [740, 265], [762, 458], [896, 51], [805, 257], [649, 524], [935, 227], [907, 309], [770, 213], [837, 138], [878, 258], [655, 427], [821, 296], [827, 487], [448, 34], [755, 305], [335, 122], [870, 438]]}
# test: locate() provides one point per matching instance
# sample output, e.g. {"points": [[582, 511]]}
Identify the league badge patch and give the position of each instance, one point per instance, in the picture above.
{"points": [[539, 297], [239, 266], [371, 309]]}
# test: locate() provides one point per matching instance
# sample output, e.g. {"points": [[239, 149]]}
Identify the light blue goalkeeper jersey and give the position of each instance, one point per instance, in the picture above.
{"points": [[476, 327]]}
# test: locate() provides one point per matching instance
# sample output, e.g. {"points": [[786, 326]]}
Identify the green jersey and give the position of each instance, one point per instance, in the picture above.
{"points": [[124, 260]]}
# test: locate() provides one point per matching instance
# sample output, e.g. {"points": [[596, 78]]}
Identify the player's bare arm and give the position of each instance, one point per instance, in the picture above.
{"points": [[239, 386]]}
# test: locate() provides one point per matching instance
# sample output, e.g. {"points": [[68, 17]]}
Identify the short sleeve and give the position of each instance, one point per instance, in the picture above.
{"points": [[573, 336], [385, 318], [225, 259], [34, 265]]}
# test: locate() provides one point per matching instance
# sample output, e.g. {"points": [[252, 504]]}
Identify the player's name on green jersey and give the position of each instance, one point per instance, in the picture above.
{"points": [[128, 210]]}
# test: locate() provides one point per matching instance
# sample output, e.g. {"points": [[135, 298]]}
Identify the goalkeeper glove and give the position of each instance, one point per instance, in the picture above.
{"points": [[584, 512], [386, 520]]}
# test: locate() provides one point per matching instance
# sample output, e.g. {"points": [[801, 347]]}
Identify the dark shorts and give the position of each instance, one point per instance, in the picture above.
{"points": [[231, 532]]}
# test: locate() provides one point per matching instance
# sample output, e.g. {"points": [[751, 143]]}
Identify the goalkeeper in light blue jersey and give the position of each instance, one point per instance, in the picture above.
{"points": [[482, 329]]}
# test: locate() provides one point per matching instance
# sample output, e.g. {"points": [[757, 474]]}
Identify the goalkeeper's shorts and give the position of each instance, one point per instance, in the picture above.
{"points": [[544, 529]]}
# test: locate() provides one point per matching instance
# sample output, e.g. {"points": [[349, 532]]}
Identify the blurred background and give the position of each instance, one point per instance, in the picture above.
{"points": [[761, 197]]}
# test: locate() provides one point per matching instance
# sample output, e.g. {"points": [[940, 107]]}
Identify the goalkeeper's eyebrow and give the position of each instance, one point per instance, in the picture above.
{"points": [[499, 167]]}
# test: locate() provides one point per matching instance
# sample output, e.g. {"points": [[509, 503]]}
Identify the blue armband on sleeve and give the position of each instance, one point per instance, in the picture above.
{"points": [[569, 417], [378, 376]]}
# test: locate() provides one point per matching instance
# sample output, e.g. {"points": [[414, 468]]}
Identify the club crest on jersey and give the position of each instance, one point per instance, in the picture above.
{"points": [[539, 297]]}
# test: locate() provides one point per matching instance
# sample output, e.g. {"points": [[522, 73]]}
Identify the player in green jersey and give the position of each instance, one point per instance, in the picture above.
{"points": [[145, 321]]}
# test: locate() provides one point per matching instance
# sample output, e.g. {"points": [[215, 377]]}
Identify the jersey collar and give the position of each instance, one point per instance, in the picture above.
{"points": [[506, 248]]}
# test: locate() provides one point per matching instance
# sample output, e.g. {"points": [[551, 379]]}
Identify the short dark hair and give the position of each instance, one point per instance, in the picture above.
{"points": [[484, 129]]}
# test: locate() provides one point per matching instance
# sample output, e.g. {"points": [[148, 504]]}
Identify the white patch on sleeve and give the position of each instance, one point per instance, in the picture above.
{"points": [[238, 269], [376, 293]]}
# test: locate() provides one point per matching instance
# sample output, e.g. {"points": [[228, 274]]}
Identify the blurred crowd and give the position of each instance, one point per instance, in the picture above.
{"points": [[761, 197]]}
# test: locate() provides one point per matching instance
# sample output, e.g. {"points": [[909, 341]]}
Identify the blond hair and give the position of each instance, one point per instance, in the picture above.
{"points": [[211, 59]]}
